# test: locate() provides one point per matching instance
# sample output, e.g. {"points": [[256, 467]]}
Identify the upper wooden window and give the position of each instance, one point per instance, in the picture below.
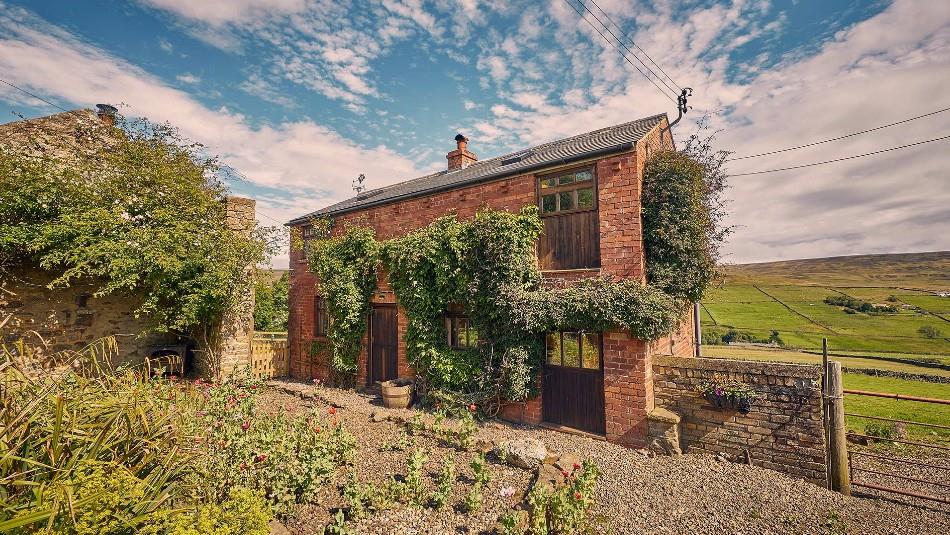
{"points": [[321, 320], [568, 204], [459, 332], [567, 192], [577, 349]]}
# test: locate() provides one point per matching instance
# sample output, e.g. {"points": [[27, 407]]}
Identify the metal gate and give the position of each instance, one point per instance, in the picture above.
{"points": [[886, 472]]}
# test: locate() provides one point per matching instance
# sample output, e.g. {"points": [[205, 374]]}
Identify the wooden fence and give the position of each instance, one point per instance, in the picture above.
{"points": [[269, 355]]}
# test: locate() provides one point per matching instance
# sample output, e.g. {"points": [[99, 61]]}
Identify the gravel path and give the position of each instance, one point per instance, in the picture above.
{"points": [[636, 494]]}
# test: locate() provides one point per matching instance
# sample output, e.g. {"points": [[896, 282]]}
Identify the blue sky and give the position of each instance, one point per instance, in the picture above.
{"points": [[301, 96]]}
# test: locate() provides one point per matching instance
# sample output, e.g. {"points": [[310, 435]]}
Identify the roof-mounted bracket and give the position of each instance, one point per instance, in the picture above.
{"points": [[681, 105]]}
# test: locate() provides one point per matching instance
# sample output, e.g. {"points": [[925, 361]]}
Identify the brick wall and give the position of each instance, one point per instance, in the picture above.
{"points": [[784, 429]]}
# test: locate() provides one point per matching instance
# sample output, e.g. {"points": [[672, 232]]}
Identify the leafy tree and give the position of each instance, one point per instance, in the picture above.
{"points": [[135, 209], [929, 331], [270, 303]]}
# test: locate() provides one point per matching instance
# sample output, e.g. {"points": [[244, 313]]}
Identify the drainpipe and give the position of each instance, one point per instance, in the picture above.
{"points": [[697, 332]]}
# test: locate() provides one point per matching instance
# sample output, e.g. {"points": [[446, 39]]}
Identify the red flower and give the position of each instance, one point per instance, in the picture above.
{"points": [[317, 429], [577, 495], [564, 473], [577, 466], [260, 458], [245, 426], [472, 408], [331, 410]]}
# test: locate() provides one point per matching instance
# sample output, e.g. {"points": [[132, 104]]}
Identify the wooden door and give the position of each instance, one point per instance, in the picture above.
{"points": [[382, 364], [572, 385]]}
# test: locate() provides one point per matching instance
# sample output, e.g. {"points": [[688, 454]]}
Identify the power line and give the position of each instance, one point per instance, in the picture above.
{"points": [[842, 159], [624, 56], [655, 75], [626, 35], [37, 97], [837, 138]]}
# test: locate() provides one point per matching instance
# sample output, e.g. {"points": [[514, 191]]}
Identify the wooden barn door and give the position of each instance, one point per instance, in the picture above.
{"points": [[382, 364], [572, 386]]}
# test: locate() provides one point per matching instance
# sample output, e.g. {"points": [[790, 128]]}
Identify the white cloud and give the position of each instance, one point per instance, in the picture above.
{"points": [[188, 78], [469, 105], [219, 12]]}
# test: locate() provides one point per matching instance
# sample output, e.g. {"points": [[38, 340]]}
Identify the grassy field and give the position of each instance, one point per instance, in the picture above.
{"points": [[788, 297], [898, 409], [894, 363]]}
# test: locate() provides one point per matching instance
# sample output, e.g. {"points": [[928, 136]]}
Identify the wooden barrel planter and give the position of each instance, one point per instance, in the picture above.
{"points": [[397, 394]]}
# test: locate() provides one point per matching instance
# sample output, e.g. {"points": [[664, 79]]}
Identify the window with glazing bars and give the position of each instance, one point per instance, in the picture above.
{"points": [[574, 349]]}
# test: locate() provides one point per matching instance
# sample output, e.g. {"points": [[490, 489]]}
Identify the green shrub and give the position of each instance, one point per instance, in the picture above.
{"points": [[564, 510], [288, 458], [929, 331], [244, 512], [60, 429]]}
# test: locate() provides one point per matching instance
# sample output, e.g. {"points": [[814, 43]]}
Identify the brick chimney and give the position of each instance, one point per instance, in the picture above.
{"points": [[106, 113], [460, 158]]}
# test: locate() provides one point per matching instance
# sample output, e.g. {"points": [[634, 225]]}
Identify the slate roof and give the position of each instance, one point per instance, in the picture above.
{"points": [[610, 140]]}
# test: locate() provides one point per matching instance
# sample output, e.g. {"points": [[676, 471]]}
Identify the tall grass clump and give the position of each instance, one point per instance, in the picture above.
{"points": [[96, 450], [73, 441]]}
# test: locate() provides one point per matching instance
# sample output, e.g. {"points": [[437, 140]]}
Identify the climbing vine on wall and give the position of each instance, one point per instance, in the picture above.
{"points": [[346, 267], [487, 266]]}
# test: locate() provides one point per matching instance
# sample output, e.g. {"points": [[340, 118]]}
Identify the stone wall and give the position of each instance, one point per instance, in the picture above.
{"points": [[783, 431], [52, 321], [237, 323]]}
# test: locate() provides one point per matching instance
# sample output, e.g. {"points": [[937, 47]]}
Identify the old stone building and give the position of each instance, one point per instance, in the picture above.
{"points": [[53, 320], [588, 191]]}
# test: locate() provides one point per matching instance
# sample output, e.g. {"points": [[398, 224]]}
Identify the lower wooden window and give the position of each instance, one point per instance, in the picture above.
{"points": [[460, 332], [574, 349], [321, 320]]}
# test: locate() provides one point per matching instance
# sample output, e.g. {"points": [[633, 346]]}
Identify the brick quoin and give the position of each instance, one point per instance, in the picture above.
{"points": [[628, 371]]}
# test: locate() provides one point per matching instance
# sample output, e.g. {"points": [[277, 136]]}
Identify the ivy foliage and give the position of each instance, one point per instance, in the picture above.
{"points": [[676, 226], [346, 267], [487, 266], [467, 263], [137, 210]]}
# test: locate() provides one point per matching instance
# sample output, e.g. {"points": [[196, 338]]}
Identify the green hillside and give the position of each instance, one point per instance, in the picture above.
{"points": [[894, 304]]}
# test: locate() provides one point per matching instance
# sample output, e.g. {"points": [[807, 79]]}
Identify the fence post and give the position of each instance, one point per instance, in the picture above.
{"points": [[839, 473], [825, 410]]}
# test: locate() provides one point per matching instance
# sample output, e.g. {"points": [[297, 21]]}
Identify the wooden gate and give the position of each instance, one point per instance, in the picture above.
{"points": [[269, 355], [382, 364], [572, 385]]}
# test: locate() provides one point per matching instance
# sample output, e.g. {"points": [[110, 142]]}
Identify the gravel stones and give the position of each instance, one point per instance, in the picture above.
{"points": [[636, 493], [526, 453]]}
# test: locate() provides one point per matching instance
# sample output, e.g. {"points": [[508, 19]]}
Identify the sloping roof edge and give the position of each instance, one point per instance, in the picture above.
{"points": [[353, 204]]}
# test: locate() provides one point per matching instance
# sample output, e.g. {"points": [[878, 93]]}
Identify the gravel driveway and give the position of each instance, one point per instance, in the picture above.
{"points": [[636, 494]]}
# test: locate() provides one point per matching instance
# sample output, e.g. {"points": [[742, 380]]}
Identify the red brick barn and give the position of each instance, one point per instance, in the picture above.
{"points": [[588, 190]]}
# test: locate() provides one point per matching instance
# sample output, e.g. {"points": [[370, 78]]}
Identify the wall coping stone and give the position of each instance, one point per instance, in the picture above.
{"points": [[804, 371], [659, 414]]}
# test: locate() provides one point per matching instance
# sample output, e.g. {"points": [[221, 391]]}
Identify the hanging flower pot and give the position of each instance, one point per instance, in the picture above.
{"points": [[729, 395]]}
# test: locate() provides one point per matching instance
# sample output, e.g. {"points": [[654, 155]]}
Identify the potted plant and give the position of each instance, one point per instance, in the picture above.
{"points": [[729, 395], [397, 394]]}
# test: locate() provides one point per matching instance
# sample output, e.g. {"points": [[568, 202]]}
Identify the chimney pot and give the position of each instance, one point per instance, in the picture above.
{"points": [[460, 158], [106, 113]]}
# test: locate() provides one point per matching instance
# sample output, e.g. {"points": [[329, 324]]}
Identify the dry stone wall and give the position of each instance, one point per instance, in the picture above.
{"points": [[783, 431]]}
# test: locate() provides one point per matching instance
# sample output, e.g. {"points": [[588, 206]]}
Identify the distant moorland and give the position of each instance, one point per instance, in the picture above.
{"points": [[873, 304]]}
